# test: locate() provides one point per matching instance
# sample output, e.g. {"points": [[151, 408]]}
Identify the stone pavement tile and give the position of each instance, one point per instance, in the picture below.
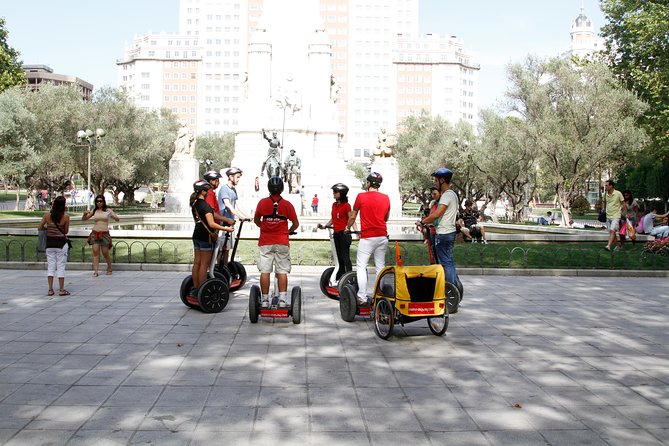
{"points": [[207, 438], [134, 396], [239, 377], [53, 437], [656, 394], [430, 396], [634, 378], [379, 397], [36, 394], [447, 419], [193, 377], [485, 396], [103, 376], [514, 438], [233, 396], [469, 438], [58, 375], [573, 396], [84, 395], [283, 396], [647, 416], [337, 438], [280, 439], [286, 377], [17, 416], [506, 419], [181, 418], [660, 434], [552, 379], [600, 418], [116, 418], [6, 434], [333, 418], [8, 389], [95, 349], [620, 396], [401, 438], [226, 419], [162, 437], [544, 417], [622, 436], [175, 395], [326, 395], [396, 419], [62, 417], [274, 419], [592, 378], [581, 437], [318, 377], [20, 347]]}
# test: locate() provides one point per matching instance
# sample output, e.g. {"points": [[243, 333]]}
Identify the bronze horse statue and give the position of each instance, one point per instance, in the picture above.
{"points": [[272, 165]]}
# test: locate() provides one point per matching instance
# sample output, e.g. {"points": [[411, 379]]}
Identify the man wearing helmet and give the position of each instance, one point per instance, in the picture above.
{"points": [[374, 209], [272, 216], [446, 213], [342, 239], [227, 202]]}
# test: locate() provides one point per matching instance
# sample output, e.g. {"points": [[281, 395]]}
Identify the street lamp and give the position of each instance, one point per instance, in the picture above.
{"points": [[91, 138]]}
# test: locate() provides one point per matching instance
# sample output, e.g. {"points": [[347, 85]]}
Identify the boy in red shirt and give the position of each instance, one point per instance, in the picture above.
{"points": [[374, 209], [272, 216]]}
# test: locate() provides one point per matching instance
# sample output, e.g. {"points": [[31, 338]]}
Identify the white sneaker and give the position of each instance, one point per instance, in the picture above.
{"points": [[264, 303], [485, 242], [282, 303]]}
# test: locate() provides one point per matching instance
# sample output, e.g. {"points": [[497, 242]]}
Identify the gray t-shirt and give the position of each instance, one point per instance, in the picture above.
{"points": [[230, 193], [648, 222], [447, 221]]}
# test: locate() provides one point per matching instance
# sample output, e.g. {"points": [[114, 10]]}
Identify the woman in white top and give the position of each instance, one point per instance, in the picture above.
{"points": [[99, 238]]}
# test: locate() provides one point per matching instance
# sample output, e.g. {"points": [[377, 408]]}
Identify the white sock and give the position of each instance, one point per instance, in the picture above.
{"points": [[282, 295], [265, 297]]}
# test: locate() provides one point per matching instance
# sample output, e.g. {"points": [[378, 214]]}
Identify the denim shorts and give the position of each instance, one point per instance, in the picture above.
{"points": [[199, 245]]}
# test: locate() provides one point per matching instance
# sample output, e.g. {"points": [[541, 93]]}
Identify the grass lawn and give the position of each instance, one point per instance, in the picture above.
{"points": [[494, 255]]}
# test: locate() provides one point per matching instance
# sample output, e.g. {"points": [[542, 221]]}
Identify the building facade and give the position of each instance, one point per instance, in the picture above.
{"points": [[38, 74]]}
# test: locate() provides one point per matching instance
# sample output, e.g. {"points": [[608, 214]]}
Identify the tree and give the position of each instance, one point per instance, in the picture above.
{"points": [[17, 140], [218, 149], [578, 118], [637, 34], [11, 68]]}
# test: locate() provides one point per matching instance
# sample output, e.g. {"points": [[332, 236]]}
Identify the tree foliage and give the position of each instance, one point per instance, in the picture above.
{"points": [[579, 120], [217, 149], [11, 68]]}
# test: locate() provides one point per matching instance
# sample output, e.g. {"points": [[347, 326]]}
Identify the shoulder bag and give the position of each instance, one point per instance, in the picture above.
{"points": [[41, 241], [602, 212]]}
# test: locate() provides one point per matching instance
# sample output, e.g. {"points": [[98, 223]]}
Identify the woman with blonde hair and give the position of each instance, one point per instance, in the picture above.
{"points": [[57, 224]]}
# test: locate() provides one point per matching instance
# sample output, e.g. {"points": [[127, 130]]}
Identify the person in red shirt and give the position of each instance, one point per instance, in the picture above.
{"points": [[374, 209], [314, 203], [214, 179], [342, 239], [272, 216]]}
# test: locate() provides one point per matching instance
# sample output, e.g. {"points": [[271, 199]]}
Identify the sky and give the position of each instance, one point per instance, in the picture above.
{"points": [[84, 38]]}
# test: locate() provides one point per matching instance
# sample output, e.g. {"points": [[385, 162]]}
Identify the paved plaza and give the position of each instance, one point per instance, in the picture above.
{"points": [[527, 361]]}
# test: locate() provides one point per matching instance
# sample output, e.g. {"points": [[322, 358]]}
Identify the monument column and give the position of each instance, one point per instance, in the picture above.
{"points": [[183, 172]]}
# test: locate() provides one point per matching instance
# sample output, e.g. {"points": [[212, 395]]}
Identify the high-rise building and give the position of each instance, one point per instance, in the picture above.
{"points": [[374, 48], [163, 71], [39, 74]]}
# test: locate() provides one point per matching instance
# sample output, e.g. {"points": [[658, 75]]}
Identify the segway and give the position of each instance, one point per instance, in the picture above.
{"points": [[234, 270], [329, 285], [452, 301], [214, 294], [274, 311]]}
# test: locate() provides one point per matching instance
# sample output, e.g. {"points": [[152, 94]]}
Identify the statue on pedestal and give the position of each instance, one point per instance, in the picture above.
{"points": [[292, 172], [385, 144], [184, 145], [273, 161]]}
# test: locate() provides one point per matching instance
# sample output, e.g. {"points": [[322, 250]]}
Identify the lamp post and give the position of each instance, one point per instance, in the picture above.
{"points": [[91, 138]]}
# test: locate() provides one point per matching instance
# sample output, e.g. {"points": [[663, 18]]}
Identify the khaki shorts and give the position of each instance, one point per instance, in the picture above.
{"points": [[274, 255]]}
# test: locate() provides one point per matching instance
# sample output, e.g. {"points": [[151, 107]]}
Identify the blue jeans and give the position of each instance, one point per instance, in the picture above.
{"points": [[443, 245]]}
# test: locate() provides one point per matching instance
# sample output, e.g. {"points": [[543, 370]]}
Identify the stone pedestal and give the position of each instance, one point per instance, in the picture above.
{"points": [[183, 173], [387, 167]]}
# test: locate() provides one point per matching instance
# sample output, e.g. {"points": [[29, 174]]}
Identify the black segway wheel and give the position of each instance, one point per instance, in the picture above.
{"points": [[384, 318], [325, 283], [461, 289], [348, 303], [238, 275], [349, 278], [296, 304], [186, 286], [213, 295], [254, 304], [452, 298], [221, 271]]}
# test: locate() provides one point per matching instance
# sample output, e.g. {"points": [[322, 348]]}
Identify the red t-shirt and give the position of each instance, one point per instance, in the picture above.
{"points": [[274, 231], [372, 207], [212, 201], [340, 215], [314, 201]]}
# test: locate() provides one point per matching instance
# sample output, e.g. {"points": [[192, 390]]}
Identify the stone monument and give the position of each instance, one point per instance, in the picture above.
{"points": [[183, 172], [385, 163]]}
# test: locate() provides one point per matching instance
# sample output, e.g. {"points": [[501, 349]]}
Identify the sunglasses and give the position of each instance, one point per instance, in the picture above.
{"points": [[99, 201]]}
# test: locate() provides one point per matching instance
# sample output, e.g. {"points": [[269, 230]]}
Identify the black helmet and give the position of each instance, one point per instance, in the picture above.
{"points": [[444, 173], [211, 175], [233, 171], [375, 179], [201, 185], [275, 185], [341, 188]]}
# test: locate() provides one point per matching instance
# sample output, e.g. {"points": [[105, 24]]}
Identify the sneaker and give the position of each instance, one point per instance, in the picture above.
{"points": [[607, 248], [282, 303], [473, 240], [264, 303], [485, 242]]}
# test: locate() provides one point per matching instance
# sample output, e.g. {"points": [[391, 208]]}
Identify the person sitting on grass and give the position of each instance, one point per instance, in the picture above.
{"points": [[547, 220], [471, 229]]}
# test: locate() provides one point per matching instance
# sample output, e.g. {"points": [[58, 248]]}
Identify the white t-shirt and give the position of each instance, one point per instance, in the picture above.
{"points": [[648, 222], [447, 221]]}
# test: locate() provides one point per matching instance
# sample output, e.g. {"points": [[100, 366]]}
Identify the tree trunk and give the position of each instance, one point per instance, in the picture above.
{"points": [[565, 208], [18, 196]]}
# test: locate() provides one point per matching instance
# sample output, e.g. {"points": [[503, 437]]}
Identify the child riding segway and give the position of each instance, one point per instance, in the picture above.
{"points": [[204, 289], [340, 242], [272, 216]]}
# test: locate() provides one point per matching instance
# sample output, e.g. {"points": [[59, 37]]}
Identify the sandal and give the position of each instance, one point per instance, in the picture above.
{"points": [[64, 293], [108, 273], [50, 293]]}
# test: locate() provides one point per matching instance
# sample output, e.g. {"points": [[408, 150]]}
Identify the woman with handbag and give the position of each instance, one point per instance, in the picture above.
{"points": [[57, 224], [205, 232], [99, 238]]}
